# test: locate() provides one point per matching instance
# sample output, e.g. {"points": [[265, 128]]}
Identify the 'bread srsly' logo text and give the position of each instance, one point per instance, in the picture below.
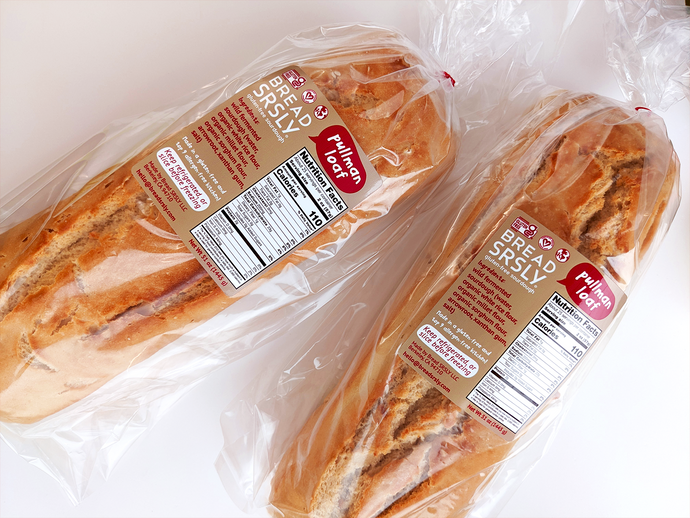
{"points": [[520, 257], [338, 155], [590, 292]]}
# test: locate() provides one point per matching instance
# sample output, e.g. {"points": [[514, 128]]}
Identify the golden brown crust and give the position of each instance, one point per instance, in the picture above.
{"points": [[104, 282], [354, 457]]}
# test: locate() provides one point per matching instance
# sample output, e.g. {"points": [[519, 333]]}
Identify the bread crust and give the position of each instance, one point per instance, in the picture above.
{"points": [[102, 282], [579, 168]]}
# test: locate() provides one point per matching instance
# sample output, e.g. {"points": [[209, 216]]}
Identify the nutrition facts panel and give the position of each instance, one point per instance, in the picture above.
{"points": [[269, 219], [535, 364]]}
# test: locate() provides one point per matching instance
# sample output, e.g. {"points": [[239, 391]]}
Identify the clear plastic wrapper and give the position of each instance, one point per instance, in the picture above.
{"points": [[649, 51], [386, 442], [95, 282], [381, 440]]}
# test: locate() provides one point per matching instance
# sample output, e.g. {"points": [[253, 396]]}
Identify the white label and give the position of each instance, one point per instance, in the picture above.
{"points": [[462, 364], [179, 174], [535, 364], [269, 219]]}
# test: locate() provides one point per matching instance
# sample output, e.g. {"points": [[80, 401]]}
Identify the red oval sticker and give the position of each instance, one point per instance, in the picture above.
{"points": [[338, 156], [590, 292]]}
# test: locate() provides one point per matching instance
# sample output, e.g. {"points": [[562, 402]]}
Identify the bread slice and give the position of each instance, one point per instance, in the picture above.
{"points": [[101, 282], [386, 443]]}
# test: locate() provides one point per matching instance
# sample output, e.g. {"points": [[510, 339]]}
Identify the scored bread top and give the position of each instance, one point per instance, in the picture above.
{"points": [[102, 282], [385, 442]]}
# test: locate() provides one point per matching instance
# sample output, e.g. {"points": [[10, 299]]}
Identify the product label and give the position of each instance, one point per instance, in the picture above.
{"points": [[516, 322], [256, 177]]}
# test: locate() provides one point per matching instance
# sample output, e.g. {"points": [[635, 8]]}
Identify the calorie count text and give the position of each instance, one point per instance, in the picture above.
{"points": [[536, 359], [535, 364], [269, 219], [307, 170], [230, 133], [550, 330]]}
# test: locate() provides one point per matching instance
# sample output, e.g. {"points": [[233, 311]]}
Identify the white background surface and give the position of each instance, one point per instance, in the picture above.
{"points": [[69, 68]]}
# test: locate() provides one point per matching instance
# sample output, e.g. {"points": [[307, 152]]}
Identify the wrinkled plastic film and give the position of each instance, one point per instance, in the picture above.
{"points": [[510, 156], [500, 42], [259, 404], [116, 143], [376, 363], [648, 50], [80, 444], [450, 479]]}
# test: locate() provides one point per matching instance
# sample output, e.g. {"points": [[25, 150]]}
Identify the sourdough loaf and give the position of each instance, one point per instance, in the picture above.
{"points": [[101, 282], [386, 442]]}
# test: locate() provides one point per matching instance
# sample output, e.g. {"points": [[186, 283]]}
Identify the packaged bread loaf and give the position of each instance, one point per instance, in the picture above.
{"points": [[100, 281], [586, 184]]}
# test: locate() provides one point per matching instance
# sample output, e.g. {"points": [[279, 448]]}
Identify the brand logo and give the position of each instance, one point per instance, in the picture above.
{"points": [[338, 155], [524, 227], [293, 77], [589, 290], [513, 253]]}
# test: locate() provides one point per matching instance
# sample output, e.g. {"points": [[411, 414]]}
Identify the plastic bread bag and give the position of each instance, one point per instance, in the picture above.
{"points": [[387, 442], [497, 51], [95, 281], [649, 51], [584, 182]]}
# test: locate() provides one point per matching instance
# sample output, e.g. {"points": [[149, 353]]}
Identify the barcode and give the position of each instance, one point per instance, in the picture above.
{"points": [[535, 364], [270, 219]]}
